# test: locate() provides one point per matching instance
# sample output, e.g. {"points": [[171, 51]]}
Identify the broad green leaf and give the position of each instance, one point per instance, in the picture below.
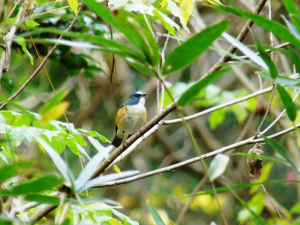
{"points": [[106, 178], [74, 5], [194, 90], [60, 164], [192, 48], [218, 166], [145, 69], [8, 171], [216, 118], [267, 59], [247, 51], [290, 6], [54, 113], [21, 42], [287, 102], [281, 151], [42, 199], [158, 220], [53, 102], [113, 46], [90, 169], [47, 182], [276, 28], [22, 120]]}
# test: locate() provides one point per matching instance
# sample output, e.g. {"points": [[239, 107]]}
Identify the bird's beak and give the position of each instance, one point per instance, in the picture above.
{"points": [[144, 94]]}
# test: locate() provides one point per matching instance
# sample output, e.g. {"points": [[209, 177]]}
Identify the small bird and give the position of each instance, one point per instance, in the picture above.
{"points": [[132, 115]]}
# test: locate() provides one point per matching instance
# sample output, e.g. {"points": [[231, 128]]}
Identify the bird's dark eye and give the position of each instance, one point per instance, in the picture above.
{"points": [[136, 95]]}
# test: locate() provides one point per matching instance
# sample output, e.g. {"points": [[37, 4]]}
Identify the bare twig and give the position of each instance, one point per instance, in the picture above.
{"points": [[41, 213], [240, 38], [171, 122]]}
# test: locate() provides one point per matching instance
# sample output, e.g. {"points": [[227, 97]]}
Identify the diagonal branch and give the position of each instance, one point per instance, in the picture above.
{"points": [[250, 140]]}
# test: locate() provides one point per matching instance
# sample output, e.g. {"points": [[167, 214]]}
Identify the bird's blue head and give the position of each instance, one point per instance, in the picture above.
{"points": [[135, 98]]}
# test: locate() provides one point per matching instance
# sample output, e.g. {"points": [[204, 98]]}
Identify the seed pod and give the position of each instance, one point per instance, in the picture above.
{"points": [[255, 164]]}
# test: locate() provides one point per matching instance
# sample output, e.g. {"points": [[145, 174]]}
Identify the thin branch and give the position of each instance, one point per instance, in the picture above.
{"points": [[250, 140], [44, 60], [242, 35], [257, 53], [267, 111], [175, 121], [41, 213]]}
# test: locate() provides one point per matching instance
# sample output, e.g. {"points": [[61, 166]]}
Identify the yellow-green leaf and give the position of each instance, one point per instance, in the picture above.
{"points": [[54, 113], [74, 5]]}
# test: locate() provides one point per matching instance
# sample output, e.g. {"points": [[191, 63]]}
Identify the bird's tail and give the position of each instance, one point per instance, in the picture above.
{"points": [[117, 141]]}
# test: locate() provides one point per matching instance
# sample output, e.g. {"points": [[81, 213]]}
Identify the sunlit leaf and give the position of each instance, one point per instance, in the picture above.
{"points": [[53, 101], [218, 166], [31, 23], [54, 113], [74, 5]]}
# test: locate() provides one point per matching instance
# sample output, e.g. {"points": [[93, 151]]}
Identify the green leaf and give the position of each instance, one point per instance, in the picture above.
{"points": [[192, 48], [21, 42], [295, 59], [42, 199], [281, 151], [47, 182], [56, 99], [60, 164], [167, 22], [126, 219], [218, 166], [31, 23], [194, 90], [291, 6], [287, 103], [102, 138], [265, 56], [276, 28], [12, 170], [158, 220]]}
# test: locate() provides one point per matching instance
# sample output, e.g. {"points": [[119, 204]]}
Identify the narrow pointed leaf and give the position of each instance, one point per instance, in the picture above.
{"points": [[287, 102], [247, 51], [192, 48], [281, 151], [42, 199], [52, 102], [194, 90], [158, 220], [267, 59], [100, 180], [276, 28], [295, 59], [60, 164], [90, 169]]}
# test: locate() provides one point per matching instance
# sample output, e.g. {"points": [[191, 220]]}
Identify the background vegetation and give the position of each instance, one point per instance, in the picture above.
{"points": [[220, 77]]}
